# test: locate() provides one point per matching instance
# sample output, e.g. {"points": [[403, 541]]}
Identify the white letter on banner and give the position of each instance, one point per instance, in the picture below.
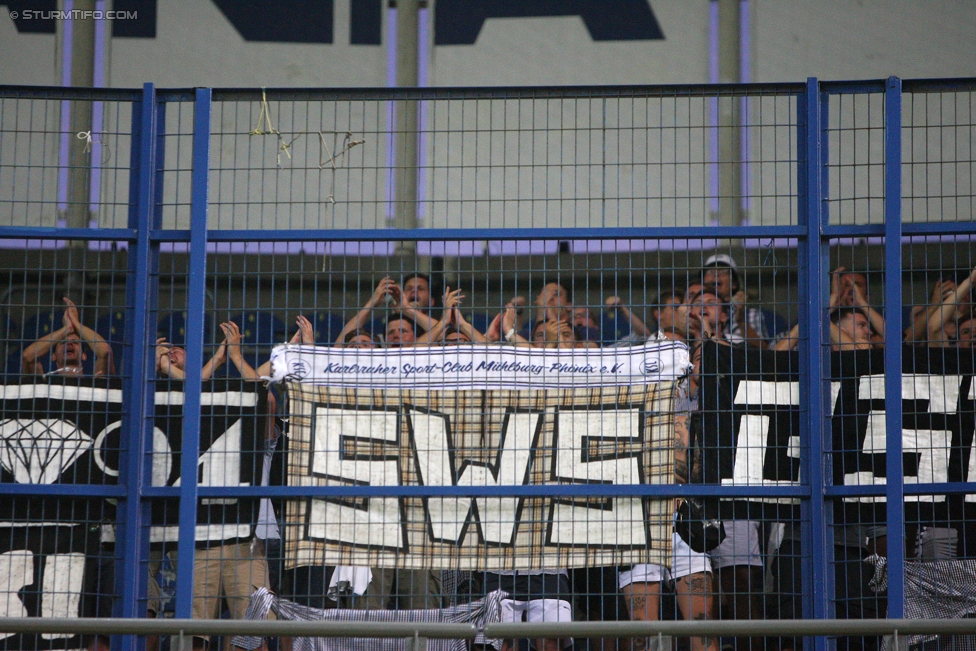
{"points": [[221, 464], [162, 455], [379, 523], [932, 446], [750, 448], [971, 474], [64, 575], [623, 523], [496, 515], [941, 391], [16, 571]]}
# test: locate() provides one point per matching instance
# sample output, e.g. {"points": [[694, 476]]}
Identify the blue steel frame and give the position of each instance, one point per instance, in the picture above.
{"points": [[812, 150], [893, 353], [813, 232]]}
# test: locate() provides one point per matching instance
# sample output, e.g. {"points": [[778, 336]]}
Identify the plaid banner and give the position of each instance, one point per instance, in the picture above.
{"points": [[429, 436]]}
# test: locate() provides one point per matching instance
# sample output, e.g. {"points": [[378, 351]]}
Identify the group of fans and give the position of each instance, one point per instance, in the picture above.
{"points": [[713, 306], [728, 580]]}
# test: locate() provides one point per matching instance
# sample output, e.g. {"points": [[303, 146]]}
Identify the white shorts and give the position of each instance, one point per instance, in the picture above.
{"points": [[538, 610], [684, 561], [740, 547]]}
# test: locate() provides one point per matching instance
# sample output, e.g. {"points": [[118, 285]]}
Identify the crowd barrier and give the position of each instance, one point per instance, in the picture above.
{"points": [[212, 222]]}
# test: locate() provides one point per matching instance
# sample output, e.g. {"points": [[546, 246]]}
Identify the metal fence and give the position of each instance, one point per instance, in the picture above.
{"points": [[837, 206]]}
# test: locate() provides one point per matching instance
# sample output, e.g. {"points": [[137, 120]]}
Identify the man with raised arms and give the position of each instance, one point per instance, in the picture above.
{"points": [[66, 347]]}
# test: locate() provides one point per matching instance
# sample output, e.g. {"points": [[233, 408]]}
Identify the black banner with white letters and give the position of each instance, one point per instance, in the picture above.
{"points": [[752, 415], [43, 574], [68, 430], [63, 430], [232, 421], [56, 430], [59, 430]]}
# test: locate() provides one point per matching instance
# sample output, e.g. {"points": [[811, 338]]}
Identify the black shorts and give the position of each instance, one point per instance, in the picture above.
{"points": [[597, 597], [527, 587], [307, 585]]}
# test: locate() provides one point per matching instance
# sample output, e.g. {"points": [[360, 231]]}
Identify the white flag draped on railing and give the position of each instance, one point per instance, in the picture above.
{"points": [[475, 417]]}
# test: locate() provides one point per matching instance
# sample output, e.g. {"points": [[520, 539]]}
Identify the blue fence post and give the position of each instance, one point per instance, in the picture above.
{"points": [[131, 532], [160, 167], [815, 566], [195, 305], [894, 463]]}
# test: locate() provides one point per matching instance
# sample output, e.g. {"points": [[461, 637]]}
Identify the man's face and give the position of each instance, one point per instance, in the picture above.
{"points": [[399, 333], [966, 334], [68, 352], [554, 334], [456, 338], [582, 318], [707, 307], [721, 279], [665, 314], [552, 294], [177, 357], [554, 302], [416, 293], [539, 334], [847, 284], [857, 327], [361, 341]]}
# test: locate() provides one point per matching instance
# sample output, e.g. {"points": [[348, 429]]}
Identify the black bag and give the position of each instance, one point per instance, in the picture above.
{"points": [[696, 520], [696, 527]]}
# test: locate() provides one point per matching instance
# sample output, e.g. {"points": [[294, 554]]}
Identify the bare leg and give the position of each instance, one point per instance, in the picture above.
{"points": [[100, 643], [644, 604], [740, 586], [696, 600], [152, 641], [548, 644]]}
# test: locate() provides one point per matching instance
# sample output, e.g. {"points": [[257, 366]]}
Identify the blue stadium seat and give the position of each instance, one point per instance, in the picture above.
{"points": [[613, 327], [112, 328], [480, 321], [9, 329], [35, 327], [173, 327], [11, 347], [260, 329], [40, 324], [260, 332], [327, 327], [377, 327], [14, 362]]}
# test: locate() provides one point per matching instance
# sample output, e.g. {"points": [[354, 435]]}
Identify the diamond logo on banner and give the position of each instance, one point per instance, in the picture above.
{"points": [[38, 451]]}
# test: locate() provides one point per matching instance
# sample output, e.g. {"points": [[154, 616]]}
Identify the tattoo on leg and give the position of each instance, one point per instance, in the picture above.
{"points": [[637, 603], [681, 456], [700, 583], [702, 640]]}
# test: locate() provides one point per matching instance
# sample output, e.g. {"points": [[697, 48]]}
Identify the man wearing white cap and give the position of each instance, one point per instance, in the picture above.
{"points": [[757, 326]]}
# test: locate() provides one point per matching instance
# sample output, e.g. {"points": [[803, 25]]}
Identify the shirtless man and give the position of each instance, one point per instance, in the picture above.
{"points": [[66, 347]]}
